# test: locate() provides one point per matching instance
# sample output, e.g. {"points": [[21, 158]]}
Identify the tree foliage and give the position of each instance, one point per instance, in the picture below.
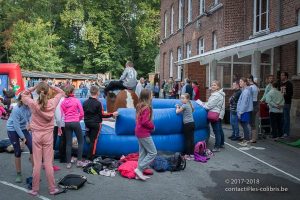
{"points": [[89, 36]]}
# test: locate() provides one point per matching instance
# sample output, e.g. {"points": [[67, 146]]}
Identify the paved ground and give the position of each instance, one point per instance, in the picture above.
{"points": [[274, 168]]}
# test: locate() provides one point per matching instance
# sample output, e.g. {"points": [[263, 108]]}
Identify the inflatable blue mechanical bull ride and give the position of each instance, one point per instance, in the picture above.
{"points": [[168, 135]]}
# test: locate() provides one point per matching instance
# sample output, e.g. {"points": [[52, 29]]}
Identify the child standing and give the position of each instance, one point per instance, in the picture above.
{"points": [[144, 127], [42, 123], [16, 130], [72, 113], [93, 114], [187, 110]]}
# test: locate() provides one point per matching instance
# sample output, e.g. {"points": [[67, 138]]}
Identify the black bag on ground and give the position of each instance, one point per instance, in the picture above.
{"points": [[72, 181], [176, 162]]}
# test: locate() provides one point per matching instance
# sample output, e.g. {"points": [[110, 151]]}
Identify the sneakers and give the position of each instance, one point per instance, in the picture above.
{"points": [[252, 141], [139, 174], [106, 172], [73, 160], [231, 137], [69, 165], [18, 178], [187, 157], [80, 164], [216, 149], [54, 192], [244, 143], [32, 192], [222, 146], [235, 138]]}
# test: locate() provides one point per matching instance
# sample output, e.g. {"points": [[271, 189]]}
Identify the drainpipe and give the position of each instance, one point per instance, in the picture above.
{"points": [[182, 36], [278, 18]]}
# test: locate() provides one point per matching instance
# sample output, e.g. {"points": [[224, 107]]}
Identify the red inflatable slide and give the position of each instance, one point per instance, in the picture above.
{"points": [[10, 73]]}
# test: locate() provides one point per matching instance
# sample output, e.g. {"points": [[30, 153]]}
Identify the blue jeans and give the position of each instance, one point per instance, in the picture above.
{"points": [[286, 119], [245, 126], [219, 134], [234, 121]]}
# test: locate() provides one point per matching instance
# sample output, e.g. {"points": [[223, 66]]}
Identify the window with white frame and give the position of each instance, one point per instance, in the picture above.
{"points": [[233, 68], [171, 63], [190, 10], [179, 57], [261, 15], [200, 45], [214, 41], [188, 50], [172, 19], [179, 14], [201, 7], [166, 24]]}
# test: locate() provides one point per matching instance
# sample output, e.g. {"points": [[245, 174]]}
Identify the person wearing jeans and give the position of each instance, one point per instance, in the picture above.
{"points": [[244, 109], [234, 121], [216, 104], [286, 88]]}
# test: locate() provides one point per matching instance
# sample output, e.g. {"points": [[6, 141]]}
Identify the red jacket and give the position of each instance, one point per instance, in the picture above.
{"points": [[144, 125], [197, 93]]}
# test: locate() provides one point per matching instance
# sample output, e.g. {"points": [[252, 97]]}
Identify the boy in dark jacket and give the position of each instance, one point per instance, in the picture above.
{"points": [[233, 113], [93, 114]]}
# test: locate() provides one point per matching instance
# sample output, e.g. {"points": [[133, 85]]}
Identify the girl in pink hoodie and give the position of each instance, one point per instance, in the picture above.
{"points": [[72, 112], [144, 127], [42, 124]]}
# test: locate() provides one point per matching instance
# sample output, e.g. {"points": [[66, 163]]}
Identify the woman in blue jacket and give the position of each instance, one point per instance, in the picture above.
{"points": [[17, 130], [244, 109]]}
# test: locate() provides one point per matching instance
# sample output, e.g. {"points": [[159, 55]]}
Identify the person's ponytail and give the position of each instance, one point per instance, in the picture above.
{"points": [[43, 100], [42, 90]]}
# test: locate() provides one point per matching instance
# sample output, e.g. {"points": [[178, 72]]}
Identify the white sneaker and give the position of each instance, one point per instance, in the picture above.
{"points": [[140, 174], [105, 172]]}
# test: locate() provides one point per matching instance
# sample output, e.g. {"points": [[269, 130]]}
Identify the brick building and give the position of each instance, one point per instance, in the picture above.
{"points": [[207, 40]]}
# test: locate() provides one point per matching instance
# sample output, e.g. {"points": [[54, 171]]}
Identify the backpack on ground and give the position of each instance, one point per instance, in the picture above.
{"points": [[176, 162], [72, 181], [201, 152], [160, 164]]}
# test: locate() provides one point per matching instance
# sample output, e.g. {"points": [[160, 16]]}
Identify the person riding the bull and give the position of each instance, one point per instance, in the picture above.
{"points": [[127, 80]]}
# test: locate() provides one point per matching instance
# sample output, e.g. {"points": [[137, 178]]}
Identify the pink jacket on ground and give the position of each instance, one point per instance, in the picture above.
{"points": [[42, 120], [144, 125], [72, 110]]}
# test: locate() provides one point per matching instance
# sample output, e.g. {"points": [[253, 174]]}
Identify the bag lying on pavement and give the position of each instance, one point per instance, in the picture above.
{"points": [[72, 181]]}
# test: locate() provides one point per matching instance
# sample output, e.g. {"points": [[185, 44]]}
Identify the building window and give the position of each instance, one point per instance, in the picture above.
{"points": [[201, 7], [172, 19], [179, 14], [179, 57], [216, 2], [190, 10], [166, 24], [200, 46], [261, 15], [214, 41], [188, 50], [171, 64]]}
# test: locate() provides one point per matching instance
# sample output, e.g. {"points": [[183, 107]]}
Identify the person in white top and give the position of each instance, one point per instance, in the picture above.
{"points": [[139, 86]]}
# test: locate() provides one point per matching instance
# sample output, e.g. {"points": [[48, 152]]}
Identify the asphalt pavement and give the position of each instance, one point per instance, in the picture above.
{"points": [[266, 170]]}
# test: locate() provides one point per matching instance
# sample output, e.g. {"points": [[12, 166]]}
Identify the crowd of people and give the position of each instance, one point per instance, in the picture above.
{"points": [[57, 113]]}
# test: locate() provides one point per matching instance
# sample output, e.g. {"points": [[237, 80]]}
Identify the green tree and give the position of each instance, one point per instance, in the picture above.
{"points": [[34, 47]]}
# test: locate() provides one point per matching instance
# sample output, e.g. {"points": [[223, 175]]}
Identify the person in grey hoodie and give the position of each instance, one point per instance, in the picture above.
{"points": [[216, 103], [244, 109], [126, 81]]}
